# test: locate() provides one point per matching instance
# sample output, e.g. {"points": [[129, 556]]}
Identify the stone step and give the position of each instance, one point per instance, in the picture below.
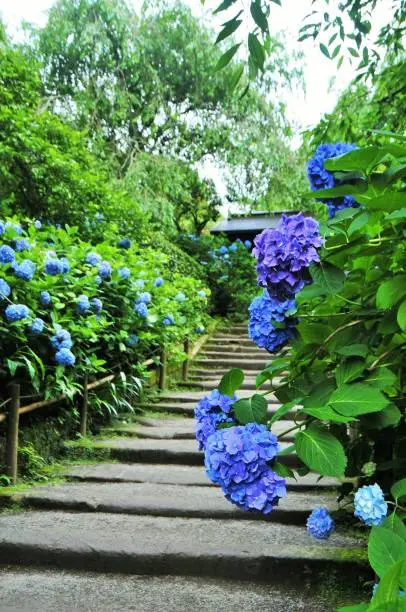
{"points": [[209, 384], [175, 429], [72, 591], [233, 349], [176, 475], [195, 396], [187, 409], [248, 355], [181, 452], [232, 340], [253, 364], [123, 543], [151, 499]]}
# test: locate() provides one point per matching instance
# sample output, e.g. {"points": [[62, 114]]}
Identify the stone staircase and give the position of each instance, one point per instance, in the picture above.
{"points": [[150, 530]]}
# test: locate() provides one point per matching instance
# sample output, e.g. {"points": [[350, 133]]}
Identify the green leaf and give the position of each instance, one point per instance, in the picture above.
{"points": [[321, 451], [231, 381], [358, 187], [388, 202], [388, 588], [356, 399], [12, 366], [319, 395], [398, 490], [398, 214], [385, 548], [224, 6], [229, 28], [251, 410], [287, 450], [259, 16], [360, 159], [358, 223], [282, 470], [353, 350], [256, 50], [382, 378], [401, 316], [324, 50], [349, 370], [328, 277], [394, 523], [282, 410], [388, 417], [326, 413], [353, 52], [391, 291], [226, 58], [313, 333]]}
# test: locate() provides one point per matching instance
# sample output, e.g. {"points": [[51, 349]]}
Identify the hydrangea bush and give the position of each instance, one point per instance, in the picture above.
{"points": [[344, 372], [69, 308]]}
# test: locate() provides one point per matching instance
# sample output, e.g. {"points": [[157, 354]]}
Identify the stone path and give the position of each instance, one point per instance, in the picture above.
{"points": [[150, 531]]}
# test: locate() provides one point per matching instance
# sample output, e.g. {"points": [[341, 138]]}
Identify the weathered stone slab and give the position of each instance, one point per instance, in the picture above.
{"points": [[234, 362], [194, 396], [167, 500], [161, 545], [32, 590]]}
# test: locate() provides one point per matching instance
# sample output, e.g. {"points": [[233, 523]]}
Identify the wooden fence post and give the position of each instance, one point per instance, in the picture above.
{"points": [[12, 433], [84, 407], [185, 365], [162, 371]]}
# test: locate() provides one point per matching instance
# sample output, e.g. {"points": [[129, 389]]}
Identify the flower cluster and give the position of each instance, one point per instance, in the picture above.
{"points": [[54, 266], [370, 505], [125, 243], [237, 458], [320, 178], [7, 254], [62, 343], [168, 320], [5, 289], [265, 314], [25, 269], [320, 524], [210, 411], [16, 312]]}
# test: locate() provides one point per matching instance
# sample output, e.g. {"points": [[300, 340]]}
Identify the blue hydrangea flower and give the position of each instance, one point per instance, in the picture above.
{"points": [[22, 245], [45, 298], [233, 247], [93, 259], [248, 244], [319, 177], [201, 293], [168, 320], [16, 312], [370, 505], [266, 314], [223, 250], [180, 297], [65, 357], [211, 410], [65, 265], [141, 309], [320, 524], [61, 340], [124, 272], [104, 269], [37, 326], [97, 305], [98, 280], [2, 228], [333, 206], [159, 282], [237, 458], [200, 329], [83, 304], [5, 289], [132, 340], [99, 217], [53, 266], [7, 254], [125, 243], [283, 254], [139, 283], [37, 224], [144, 297], [16, 227], [25, 269]]}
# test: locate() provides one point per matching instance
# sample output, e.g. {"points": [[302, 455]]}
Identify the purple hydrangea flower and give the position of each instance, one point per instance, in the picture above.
{"points": [[124, 272], [237, 458], [65, 357], [159, 282], [25, 269], [7, 254], [125, 243], [266, 313], [283, 254], [370, 505], [53, 266], [37, 326], [209, 412], [168, 320], [22, 245], [5, 289], [97, 305], [93, 259], [320, 524], [144, 297], [141, 309], [62, 339], [333, 206], [16, 312], [104, 269], [45, 298], [83, 304]]}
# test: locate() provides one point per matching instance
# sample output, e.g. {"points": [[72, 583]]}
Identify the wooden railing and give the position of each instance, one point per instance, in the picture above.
{"points": [[14, 409]]}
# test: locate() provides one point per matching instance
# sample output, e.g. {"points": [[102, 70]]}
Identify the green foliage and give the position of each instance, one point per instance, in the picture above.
{"points": [[231, 382]]}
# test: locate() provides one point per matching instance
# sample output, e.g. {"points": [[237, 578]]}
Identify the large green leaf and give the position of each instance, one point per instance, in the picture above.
{"points": [[363, 159], [256, 50], [388, 417], [388, 587], [391, 291], [394, 523], [321, 451], [231, 381], [226, 58], [356, 399], [388, 201], [353, 350], [259, 16], [385, 548], [251, 410], [349, 370], [228, 28], [398, 489], [327, 276], [282, 410], [401, 316], [382, 378]]}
